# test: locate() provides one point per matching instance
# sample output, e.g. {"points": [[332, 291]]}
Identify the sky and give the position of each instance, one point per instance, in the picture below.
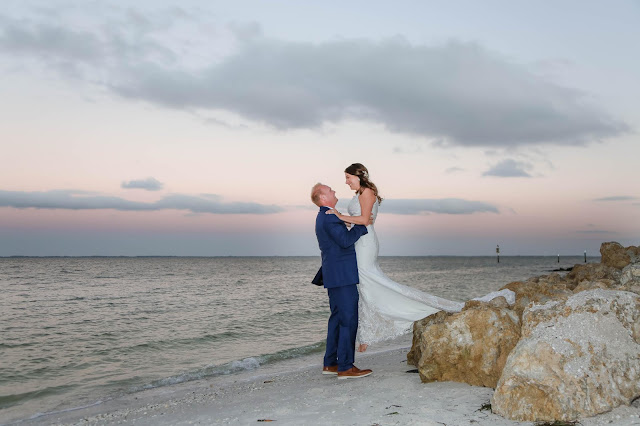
{"points": [[197, 128]]}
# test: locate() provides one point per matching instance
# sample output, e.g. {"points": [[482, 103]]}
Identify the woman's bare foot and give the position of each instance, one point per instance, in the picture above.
{"points": [[363, 347]]}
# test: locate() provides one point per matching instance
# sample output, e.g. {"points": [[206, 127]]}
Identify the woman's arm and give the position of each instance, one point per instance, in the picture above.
{"points": [[339, 233], [367, 198]]}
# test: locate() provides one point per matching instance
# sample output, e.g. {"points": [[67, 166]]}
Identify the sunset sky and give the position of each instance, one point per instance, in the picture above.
{"points": [[198, 127]]}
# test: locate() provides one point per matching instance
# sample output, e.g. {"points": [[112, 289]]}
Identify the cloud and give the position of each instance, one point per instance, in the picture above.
{"points": [[454, 170], [509, 168], [213, 203], [149, 184], [596, 231], [408, 149], [440, 206], [616, 198], [457, 93], [410, 89], [52, 42], [81, 200]]}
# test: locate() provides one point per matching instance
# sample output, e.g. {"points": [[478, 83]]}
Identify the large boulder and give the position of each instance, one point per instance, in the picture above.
{"points": [[615, 255], [603, 283], [592, 272], [470, 346], [539, 290], [413, 356], [497, 302], [577, 358], [629, 281], [630, 278]]}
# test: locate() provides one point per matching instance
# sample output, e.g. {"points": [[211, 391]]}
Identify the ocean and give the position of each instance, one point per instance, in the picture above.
{"points": [[76, 331]]}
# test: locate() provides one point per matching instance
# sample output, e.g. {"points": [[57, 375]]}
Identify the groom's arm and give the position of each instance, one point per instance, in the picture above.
{"points": [[339, 232]]}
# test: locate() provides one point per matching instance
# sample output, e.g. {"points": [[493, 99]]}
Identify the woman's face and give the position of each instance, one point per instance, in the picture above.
{"points": [[352, 181]]}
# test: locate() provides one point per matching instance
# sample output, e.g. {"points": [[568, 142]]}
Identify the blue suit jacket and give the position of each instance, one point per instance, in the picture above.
{"points": [[339, 266]]}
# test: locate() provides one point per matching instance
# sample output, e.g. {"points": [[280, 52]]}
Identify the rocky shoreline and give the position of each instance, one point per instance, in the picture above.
{"points": [[568, 349]]}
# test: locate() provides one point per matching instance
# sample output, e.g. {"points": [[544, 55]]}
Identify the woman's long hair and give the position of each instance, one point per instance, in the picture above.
{"points": [[357, 169]]}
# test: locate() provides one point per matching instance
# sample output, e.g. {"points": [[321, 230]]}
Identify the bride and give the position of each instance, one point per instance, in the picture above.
{"points": [[386, 309]]}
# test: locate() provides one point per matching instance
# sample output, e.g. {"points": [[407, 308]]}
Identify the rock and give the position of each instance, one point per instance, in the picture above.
{"points": [[577, 358], [626, 280], [498, 302], [413, 356], [616, 256], [629, 281], [469, 346], [603, 283], [592, 272], [630, 274], [630, 278], [562, 269], [539, 290]]}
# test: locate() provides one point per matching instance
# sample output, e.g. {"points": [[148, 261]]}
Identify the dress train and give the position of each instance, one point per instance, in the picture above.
{"points": [[388, 309]]}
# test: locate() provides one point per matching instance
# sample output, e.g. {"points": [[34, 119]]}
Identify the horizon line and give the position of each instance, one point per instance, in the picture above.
{"points": [[276, 255]]}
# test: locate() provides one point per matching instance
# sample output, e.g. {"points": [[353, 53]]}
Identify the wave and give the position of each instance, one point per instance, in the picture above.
{"points": [[16, 345], [232, 367], [7, 401], [51, 413], [237, 366]]}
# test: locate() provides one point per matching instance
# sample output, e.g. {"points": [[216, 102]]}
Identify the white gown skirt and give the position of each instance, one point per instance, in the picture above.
{"points": [[388, 309]]}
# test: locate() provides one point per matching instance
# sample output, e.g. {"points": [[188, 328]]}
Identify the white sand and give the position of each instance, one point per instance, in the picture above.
{"points": [[295, 392]]}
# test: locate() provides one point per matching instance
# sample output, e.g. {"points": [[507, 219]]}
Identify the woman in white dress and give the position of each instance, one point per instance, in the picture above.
{"points": [[386, 309]]}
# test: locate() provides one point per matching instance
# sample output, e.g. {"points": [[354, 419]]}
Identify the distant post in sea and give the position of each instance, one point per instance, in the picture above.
{"points": [[585, 256], [558, 257], [498, 252]]}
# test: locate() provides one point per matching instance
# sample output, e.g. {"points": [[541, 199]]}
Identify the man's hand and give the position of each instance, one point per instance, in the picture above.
{"points": [[371, 220]]}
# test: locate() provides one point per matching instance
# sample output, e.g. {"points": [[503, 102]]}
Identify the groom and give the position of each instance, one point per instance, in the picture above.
{"points": [[339, 272]]}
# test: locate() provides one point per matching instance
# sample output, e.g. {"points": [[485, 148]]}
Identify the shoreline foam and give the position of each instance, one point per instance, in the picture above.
{"points": [[235, 370]]}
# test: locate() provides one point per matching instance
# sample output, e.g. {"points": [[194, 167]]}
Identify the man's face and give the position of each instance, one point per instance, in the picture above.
{"points": [[329, 196]]}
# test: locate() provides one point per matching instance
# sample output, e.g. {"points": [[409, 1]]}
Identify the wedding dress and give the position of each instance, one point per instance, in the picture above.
{"points": [[386, 308]]}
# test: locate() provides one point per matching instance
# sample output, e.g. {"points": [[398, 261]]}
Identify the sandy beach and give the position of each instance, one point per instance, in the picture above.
{"points": [[295, 392]]}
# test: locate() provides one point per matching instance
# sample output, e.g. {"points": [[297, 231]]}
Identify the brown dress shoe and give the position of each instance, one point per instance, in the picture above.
{"points": [[353, 373], [332, 370]]}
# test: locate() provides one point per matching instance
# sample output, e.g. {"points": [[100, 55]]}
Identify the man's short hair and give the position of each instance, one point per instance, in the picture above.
{"points": [[316, 192]]}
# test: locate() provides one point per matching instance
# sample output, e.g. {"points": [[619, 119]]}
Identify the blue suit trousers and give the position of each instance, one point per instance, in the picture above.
{"points": [[343, 326]]}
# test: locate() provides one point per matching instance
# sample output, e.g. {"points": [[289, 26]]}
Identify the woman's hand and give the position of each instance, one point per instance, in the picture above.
{"points": [[345, 218], [340, 216]]}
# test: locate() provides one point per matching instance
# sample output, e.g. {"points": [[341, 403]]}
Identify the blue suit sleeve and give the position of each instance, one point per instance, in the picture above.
{"points": [[341, 235]]}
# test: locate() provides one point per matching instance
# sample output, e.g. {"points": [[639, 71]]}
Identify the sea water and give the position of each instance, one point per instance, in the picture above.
{"points": [[79, 330]]}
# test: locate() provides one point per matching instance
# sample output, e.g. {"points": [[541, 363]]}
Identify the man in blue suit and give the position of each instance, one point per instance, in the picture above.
{"points": [[339, 273]]}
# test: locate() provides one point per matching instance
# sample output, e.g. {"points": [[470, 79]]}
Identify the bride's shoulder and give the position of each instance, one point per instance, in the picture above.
{"points": [[367, 192]]}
